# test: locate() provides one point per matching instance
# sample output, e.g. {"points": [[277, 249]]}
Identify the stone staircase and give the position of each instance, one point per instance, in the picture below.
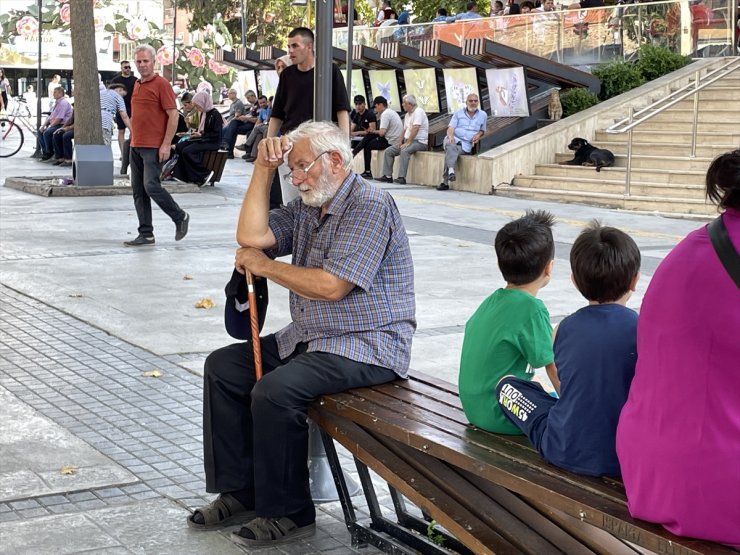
{"points": [[665, 178]]}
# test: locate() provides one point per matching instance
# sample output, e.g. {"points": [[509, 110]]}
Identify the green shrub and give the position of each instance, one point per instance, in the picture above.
{"points": [[617, 78], [656, 61], [576, 100]]}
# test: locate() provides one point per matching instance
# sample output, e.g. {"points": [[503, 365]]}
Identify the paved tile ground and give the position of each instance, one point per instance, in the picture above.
{"points": [[82, 318]]}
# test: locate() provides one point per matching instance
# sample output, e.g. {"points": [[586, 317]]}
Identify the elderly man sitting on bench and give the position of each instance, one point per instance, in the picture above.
{"points": [[351, 283], [466, 128]]}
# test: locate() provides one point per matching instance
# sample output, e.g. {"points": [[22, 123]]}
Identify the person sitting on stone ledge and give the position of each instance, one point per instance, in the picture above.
{"points": [[466, 128], [415, 138]]}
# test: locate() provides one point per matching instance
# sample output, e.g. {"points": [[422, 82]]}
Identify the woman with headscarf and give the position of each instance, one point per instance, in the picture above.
{"points": [[190, 166], [282, 62]]}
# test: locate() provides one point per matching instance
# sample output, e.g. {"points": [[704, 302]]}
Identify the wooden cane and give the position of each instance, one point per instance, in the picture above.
{"points": [[254, 321]]}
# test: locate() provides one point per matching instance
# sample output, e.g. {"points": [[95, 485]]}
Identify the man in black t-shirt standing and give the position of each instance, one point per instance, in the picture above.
{"points": [[293, 103], [127, 79]]}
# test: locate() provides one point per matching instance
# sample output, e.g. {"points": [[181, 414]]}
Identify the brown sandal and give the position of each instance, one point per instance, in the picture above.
{"points": [[223, 511]]}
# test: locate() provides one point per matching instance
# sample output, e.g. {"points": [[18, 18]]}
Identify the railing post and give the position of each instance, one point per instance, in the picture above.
{"points": [[696, 116], [628, 181]]}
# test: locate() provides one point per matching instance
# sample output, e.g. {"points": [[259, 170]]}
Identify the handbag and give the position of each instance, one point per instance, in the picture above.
{"points": [[168, 167], [236, 308], [725, 249]]}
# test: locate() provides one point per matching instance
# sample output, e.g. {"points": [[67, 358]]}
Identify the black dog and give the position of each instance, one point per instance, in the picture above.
{"points": [[587, 154]]}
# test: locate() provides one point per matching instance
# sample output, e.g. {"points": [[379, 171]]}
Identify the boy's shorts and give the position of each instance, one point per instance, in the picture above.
{"points": [[527, 405], [119, 122]]}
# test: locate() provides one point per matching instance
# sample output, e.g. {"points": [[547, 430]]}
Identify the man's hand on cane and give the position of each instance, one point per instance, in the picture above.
{"points": [[248, 258]]}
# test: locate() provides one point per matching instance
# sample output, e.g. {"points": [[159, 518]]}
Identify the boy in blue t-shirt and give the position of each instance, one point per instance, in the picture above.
{"points": [[595, 356], [510, 332]]}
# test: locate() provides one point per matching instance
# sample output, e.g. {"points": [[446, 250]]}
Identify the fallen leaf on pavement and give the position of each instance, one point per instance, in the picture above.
{"points": [[187, 277], [156, 373], [205, 302], [76, 295], [69, 470]]}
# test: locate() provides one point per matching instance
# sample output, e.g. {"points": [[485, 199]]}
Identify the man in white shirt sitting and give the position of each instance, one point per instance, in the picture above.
{"points": [[415, 137], [388, 132]]}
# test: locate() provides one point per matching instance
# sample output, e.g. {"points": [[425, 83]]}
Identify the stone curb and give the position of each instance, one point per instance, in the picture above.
{"points": [[46, 187]]}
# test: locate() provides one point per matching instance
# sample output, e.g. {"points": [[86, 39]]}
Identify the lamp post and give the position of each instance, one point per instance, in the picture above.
{"points": [[174, 39], [37, 151], [244, 24]]}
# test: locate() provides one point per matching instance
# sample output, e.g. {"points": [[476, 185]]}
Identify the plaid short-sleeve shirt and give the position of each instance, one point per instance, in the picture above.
{"points": [[361, 239]]}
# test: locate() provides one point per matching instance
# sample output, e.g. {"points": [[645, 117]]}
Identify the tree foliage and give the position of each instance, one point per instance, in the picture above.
{"points": [[268, 21]]}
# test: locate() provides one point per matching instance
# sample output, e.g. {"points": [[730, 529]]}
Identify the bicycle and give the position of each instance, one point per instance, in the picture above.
{"points": [[11, 132]]}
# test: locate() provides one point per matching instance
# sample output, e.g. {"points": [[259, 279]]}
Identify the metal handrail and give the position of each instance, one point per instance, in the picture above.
{"points": [[690, 89]]}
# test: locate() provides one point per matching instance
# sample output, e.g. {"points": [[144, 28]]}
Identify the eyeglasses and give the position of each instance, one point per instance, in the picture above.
{"points": [[471, 100], [294, 173], [125, 67]]}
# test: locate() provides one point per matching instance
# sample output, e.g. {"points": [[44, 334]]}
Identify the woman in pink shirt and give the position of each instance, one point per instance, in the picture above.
{"points": [[678, 439]]}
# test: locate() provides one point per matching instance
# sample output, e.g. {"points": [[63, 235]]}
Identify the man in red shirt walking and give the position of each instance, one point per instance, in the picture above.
{"points": [[153, 124]]}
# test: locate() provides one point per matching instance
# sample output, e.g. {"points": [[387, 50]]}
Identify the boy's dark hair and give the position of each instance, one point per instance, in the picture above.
{"points": [[359, 99], [115, 86], [186, 97], [442, 11], [604, 261], [723, 180], [525, 247], [303, 32]]}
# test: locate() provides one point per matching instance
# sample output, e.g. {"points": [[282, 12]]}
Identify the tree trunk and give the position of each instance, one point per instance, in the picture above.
{"points": [[88, 123]]}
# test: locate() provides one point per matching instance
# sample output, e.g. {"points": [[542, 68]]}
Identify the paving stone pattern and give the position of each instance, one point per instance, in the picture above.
{"points": [[92, 384]]}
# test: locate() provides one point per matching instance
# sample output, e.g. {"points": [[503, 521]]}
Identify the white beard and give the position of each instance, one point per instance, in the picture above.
{"points": [[323, 191]]}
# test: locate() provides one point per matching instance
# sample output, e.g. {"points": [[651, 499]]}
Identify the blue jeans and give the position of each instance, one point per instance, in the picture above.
{"points": [[235, 128], [145, 170], [45, 140]]}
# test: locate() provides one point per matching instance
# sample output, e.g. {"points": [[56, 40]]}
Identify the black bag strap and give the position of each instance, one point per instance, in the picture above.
{"points": [[725, 249]]}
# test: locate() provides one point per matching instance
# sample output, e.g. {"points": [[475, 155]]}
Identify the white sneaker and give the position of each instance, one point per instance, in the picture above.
{"points": [[206, 180]]}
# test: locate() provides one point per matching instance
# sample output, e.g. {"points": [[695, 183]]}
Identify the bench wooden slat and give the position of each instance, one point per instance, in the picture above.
{"points": [[517, 452], [449, 479], [522, 479], [467, 528], [595, 538]]}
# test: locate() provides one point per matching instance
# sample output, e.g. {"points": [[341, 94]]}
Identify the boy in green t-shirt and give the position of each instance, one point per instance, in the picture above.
{"points": [[510, 332]]}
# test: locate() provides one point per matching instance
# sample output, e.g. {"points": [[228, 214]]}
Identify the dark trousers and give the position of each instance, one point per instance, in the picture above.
{"points": [[125, 155], [45, 140], [527, 405], [190, 161], [231, 131], [367, 145], [62, 144], [145, 170], [255, 435]]}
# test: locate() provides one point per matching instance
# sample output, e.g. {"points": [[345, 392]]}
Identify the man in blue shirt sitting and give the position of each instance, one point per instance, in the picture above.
{"points": [[471, 12], [466, 128]]}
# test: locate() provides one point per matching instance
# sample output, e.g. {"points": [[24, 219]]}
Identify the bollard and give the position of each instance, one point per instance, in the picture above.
{"points": [[323, 488], [93, 165]]}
